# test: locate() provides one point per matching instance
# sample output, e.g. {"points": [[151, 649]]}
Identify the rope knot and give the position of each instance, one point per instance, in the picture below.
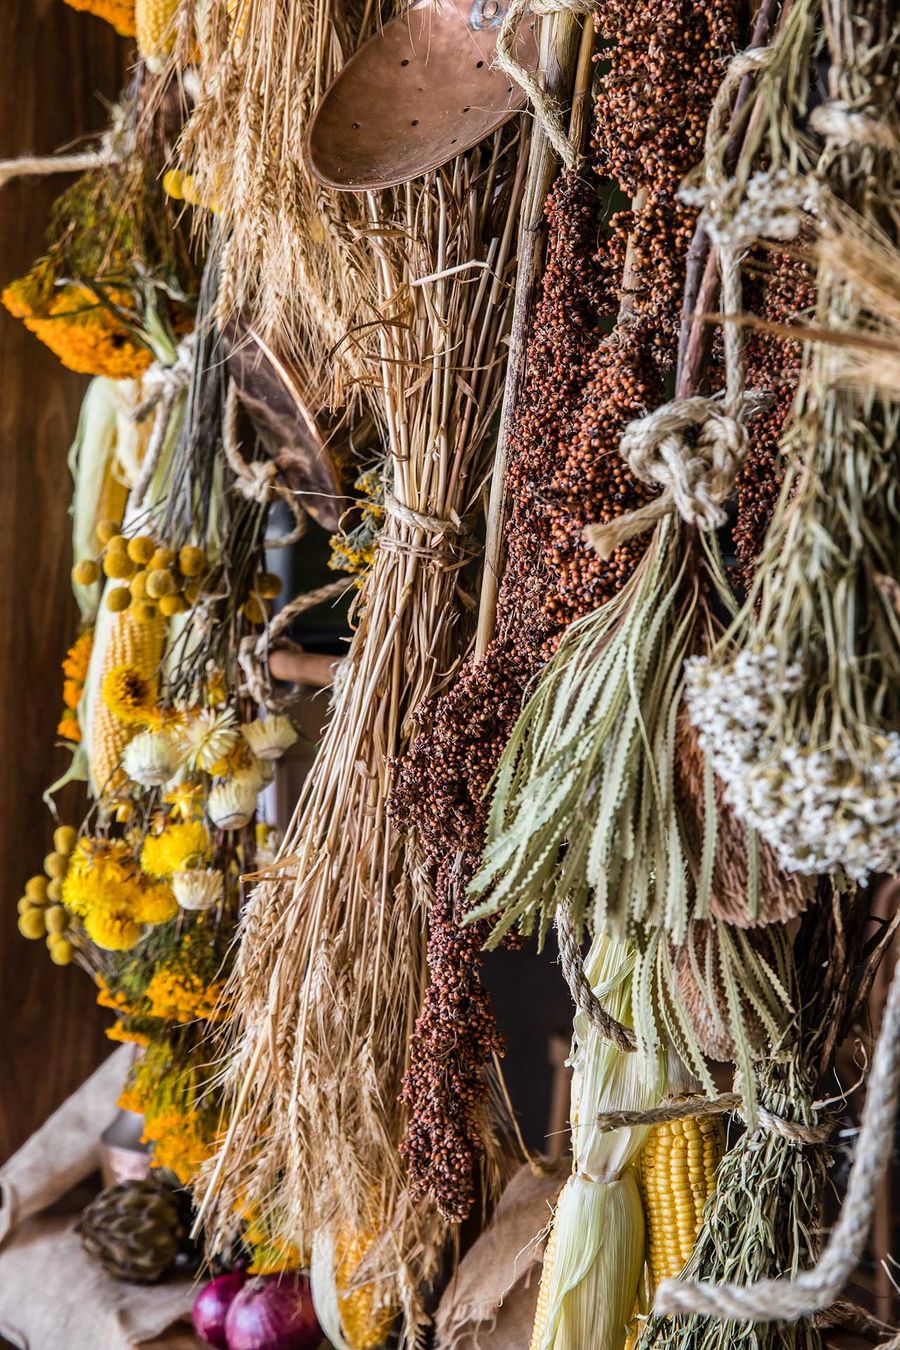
{"points": [[256, 481], [692, 448], [696, 471]]}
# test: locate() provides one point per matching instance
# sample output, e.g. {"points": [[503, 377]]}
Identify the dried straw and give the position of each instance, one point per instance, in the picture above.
{"points": [[331, 969]]}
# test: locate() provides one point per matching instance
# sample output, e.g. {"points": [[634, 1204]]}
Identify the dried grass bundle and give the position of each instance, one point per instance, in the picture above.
{"points": [[298, 262], [330, 974]]}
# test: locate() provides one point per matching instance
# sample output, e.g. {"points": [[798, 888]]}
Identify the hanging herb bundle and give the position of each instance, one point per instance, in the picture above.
{"points": [[599, 738], [797, 707]]}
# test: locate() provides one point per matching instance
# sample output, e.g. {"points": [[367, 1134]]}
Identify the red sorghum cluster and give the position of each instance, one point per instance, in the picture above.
{"points": [[582, 384], [782, 292]]}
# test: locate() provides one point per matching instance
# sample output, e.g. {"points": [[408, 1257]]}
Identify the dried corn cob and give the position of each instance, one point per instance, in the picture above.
{"points": [[678, 1175], [155, 25], [365, 1321], [131, 643]]}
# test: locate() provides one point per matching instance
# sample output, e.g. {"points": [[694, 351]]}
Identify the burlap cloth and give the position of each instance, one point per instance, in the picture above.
{"points": [[490, 1302], [51, 1296]]}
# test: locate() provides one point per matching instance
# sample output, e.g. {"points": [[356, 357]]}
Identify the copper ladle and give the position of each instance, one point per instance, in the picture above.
{"points": [[418, 93]]}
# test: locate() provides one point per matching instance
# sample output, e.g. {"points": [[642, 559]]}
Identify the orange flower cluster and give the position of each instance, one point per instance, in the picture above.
{"points": [[120, 13], [75, 668], [85, 334]]}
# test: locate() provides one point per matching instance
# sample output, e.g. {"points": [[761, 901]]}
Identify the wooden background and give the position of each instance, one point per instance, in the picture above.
{"points": [[56, 67]]}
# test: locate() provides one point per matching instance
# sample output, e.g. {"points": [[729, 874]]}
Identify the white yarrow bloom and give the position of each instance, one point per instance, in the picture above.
{"points": [[819, 808]]}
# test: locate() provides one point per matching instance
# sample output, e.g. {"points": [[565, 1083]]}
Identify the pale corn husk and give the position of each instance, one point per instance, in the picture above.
{"points": [[595, 1254]]}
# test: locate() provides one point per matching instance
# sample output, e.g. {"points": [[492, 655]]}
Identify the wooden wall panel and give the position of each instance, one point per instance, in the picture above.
{"points": [[54, 66]]}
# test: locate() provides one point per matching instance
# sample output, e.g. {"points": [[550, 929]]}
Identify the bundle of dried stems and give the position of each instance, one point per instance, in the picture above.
{"points": [[330, 974]]}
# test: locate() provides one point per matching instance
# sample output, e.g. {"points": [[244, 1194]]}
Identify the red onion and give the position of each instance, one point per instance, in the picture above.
{"points": [[211, 1306], [273, 1312]]}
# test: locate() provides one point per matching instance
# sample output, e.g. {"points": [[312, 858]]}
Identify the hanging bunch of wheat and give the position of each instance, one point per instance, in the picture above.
{"points": [[329, 978], [296, 264]]}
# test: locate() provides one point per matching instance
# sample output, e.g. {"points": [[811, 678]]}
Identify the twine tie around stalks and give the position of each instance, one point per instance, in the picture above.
{"points": [[161, 386], [546, 110], [258, 480], [816, 1289], [792, 1131], [696, 473]]}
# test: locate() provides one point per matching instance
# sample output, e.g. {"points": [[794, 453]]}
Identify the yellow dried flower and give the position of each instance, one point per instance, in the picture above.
{"points": [[182, 996], [178, 846], [69, 727], [145, 611], [268, 585], [85, 572], [191, 561], [36, 889], [170, 605], [160, 581], [253, 610], [78, 657], [117, 565], [119, 1031], [118, 599], [155, 904], [162, 559], [72, 693], [62, 951], [138, 584], [186, 800], [141, 548], [65, 837], [85, 335], [114, 932], [128, 695], [105, 531]]}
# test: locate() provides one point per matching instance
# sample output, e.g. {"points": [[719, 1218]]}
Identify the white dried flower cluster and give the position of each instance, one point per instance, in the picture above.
{"points": [[770, 206], [818, 808]]}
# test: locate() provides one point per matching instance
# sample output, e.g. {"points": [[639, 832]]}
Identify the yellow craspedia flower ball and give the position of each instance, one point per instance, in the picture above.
{"points": [[141, 548], [170, 605], [85, 572], [160, 582], [118, 599], [191, 560], [178, 846]]}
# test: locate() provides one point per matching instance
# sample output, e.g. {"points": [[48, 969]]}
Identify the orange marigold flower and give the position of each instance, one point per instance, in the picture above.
{"points": [[69, 728], [72, 693], [77, 659], [120, 13], [85, 335]]}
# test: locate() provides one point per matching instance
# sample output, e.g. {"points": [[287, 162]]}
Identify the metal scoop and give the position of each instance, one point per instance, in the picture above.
{"points": [[418, 93]]}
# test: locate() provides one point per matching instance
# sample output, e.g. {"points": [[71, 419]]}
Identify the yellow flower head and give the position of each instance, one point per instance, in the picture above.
{"points": [[186, 800], [120, 1031], [128, 695], [155, 904], [120, 13], [178, 846], [114, 932], [182, 996], [85, 335]]}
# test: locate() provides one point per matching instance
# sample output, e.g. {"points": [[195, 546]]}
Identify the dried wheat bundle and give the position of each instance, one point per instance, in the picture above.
{"points": [[297, 262], [330, 974]]}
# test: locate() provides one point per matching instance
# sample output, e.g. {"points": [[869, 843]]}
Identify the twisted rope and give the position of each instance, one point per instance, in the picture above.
{"points": [[693, 447], [253, 653], [161, 386], [583, 996], [258, 480], [793, 1131], [814, 1290], [546, 110]]}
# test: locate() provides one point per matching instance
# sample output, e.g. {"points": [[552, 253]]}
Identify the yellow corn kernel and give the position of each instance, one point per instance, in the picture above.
{"points": [[678, 1175], [542, 1307], [365, 1321], [131, 643], [154, 22]]}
